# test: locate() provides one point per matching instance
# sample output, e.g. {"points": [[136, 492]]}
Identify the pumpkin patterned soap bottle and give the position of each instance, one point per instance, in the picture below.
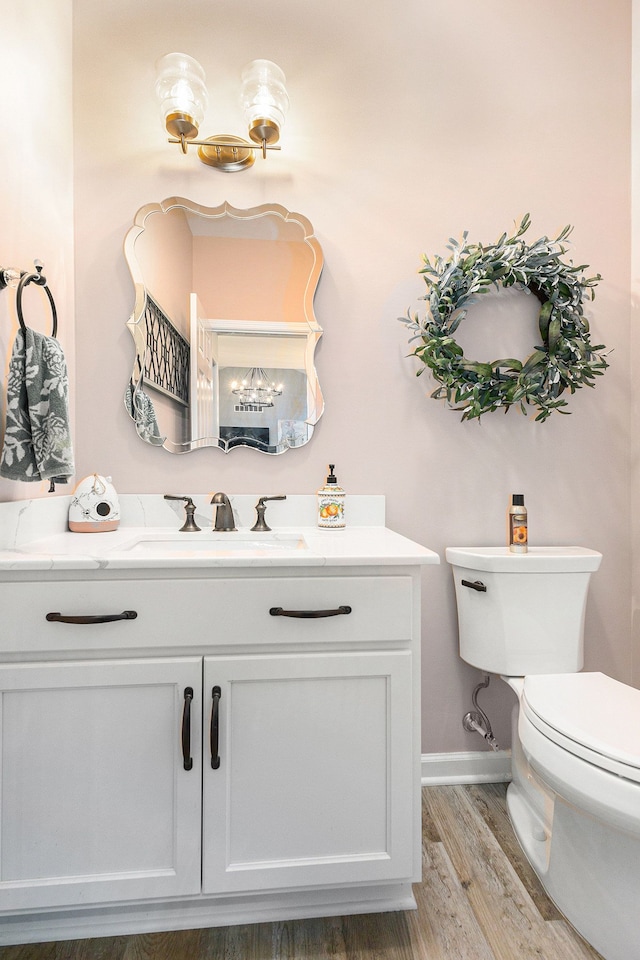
{"points": [[518, 533], [331, 499]]}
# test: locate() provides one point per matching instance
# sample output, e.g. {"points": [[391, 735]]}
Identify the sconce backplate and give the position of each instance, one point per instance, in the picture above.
{"points": [[227, 153]]}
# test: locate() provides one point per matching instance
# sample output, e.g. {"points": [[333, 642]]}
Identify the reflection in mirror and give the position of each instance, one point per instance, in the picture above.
{"points": [[223, 327]]}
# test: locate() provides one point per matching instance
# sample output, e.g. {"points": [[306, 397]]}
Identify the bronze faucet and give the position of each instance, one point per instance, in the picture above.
{"points": [[224, 513]]}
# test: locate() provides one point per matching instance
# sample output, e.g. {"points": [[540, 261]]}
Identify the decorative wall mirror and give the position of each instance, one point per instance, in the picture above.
{"points": [[223, 327]]}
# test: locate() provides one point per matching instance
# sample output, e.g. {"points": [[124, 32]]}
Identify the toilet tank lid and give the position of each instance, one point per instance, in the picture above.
{"points": [[590, 711], [536, 560]]}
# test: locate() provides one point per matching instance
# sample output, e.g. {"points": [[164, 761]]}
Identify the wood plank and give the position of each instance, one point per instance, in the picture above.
{"points": [[170, 945], [565, 933], [376, 936], [316, 937], [429, 829], [247, 942], [444, 925], [107, 948], [507, 916], [490, 801], [25, 951], [321, 937]]}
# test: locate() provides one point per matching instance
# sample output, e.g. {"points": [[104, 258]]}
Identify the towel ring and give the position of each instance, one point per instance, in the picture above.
{"points": [[41, 281]]}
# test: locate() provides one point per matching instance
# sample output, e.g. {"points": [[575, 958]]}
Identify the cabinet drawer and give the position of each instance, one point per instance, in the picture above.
{"points": [[203, 612]]}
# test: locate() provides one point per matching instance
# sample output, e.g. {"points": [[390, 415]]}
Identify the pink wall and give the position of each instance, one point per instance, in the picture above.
{"points": [[406, 127], [36, 179], [492, 110], [635, 333]]}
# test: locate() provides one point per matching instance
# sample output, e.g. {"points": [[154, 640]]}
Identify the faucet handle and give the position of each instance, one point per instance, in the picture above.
{"points": [[190, 525], [260, 526]]}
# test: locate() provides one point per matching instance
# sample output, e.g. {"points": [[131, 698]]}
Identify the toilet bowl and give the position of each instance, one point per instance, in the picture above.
{"points": [[574, 798]]}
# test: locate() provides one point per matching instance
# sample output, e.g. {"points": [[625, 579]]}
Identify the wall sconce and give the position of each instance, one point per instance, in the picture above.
{"points": [[183, 98]]}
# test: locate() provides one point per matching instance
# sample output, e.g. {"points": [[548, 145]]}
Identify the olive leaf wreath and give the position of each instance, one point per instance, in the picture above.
{"points": [[564, 360]]}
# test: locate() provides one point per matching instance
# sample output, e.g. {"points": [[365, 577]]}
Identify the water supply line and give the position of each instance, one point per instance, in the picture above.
{"points": [[476, 721]]}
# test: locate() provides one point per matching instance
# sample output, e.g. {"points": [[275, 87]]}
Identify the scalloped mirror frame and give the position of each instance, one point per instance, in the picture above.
{"points": [[147, 399]]}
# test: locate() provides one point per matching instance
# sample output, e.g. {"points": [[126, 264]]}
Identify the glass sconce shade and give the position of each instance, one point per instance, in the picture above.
{"points": [[264, 100], [181, 93]]}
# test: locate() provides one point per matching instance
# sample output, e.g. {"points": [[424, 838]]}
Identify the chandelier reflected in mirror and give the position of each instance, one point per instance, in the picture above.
{"points": [[256, 390]]}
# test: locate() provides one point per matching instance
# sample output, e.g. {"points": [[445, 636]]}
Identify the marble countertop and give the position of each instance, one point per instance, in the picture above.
{"points": [[130, 548], [145, 540]]}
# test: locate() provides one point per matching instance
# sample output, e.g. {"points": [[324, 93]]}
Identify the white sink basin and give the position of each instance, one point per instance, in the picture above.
{"points": [[214, 544]]}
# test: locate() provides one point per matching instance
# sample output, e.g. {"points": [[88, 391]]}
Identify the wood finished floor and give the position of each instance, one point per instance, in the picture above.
{"points": [[479, 900]]}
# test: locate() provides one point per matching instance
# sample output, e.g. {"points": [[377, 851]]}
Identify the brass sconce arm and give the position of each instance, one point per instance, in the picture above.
{"points": [[224, 142]]}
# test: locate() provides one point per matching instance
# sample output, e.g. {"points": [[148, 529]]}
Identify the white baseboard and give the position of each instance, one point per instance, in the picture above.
{"points": [[478, 766]]}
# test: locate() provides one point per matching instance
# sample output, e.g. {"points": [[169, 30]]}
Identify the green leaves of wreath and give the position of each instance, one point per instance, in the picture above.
{"points": [[564, 360]]}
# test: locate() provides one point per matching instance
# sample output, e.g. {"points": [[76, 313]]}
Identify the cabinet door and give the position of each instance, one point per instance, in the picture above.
{"points": [[315, 783], [95, 802]]}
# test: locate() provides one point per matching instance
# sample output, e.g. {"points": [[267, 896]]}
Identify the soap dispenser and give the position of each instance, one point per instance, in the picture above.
{"points": [[331, 499]]}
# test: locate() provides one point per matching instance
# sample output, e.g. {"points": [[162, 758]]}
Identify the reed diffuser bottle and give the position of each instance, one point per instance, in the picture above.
{"points": [[518, 527]]}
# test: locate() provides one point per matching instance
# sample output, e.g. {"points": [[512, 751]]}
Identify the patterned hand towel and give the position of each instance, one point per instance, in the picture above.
{"points": [[37, 439], [141, 410]]}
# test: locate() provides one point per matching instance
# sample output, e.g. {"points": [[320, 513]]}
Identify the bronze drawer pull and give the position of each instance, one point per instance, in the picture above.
{"points": [[187, 762], [308, 614], [214, 730], [105, 618]]}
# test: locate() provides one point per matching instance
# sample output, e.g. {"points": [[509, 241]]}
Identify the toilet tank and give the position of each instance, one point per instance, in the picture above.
{"points": [[525, 612]]}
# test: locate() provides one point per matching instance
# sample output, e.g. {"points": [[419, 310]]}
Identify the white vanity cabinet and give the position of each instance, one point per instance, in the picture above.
{"points": [[220, 757], [95, 803], [315, 776]]}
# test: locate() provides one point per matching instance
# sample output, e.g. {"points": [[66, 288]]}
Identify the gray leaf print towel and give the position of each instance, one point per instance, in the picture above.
{"points": [[37, 439], [140, 408]]}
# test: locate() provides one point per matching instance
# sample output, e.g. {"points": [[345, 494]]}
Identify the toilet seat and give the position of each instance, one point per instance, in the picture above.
{"points": [[590, 716]]}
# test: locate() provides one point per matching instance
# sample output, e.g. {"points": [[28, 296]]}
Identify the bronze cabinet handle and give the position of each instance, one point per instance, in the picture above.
{"points": [[104, 618], [187, 761], [214, 731], [308, 614]]}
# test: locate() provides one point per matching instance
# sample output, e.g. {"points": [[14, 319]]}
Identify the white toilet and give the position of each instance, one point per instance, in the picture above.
{"points": [[574, 800]]}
